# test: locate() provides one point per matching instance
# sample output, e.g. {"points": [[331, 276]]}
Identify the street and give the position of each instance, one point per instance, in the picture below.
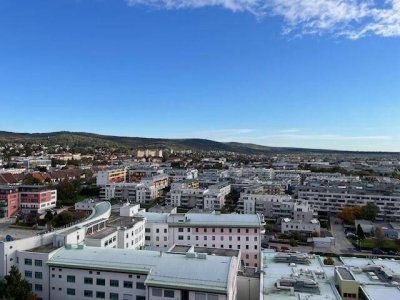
{"points": [[342, 244]]}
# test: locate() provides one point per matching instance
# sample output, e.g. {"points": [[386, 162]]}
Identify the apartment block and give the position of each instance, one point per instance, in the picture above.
{"points": [[28, 199], [331, 198], [111, 176], [213, 230]]}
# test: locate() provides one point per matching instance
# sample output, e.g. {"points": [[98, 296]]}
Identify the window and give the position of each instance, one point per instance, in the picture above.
{"points": [[113, 296], [88, 280], [128, 284], [114, 283], [28, 261], [180, 229], [140, 298], [71, 292], [212, 297], [180, 237], [140, 285], [100, 295], [38, 263], [70, 278], [200, 296], [247, 230], [87, 293], [38, 287], [156, 292], [169, 293], [100, 281], [28, 274], [38, 275]]}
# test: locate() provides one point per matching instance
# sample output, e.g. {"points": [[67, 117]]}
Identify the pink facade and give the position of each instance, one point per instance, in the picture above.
{"points": [[10, 204]]}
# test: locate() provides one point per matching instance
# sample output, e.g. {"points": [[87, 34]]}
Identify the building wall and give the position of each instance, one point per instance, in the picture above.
{"points": [[59, 284]]}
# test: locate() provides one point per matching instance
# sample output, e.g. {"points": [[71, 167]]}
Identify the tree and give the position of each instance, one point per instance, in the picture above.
{"points": [[360, 232], [14, 287], [67, 191], [347, 215], [379, 236], [62, 219], [370, 211], [329, 261], [49, 216]]}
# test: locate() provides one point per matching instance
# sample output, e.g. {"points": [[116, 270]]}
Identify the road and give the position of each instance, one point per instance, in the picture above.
{"points": [[342, 244]]}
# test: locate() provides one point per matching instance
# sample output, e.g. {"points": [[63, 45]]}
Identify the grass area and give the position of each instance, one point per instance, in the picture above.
{"points": [[371, 243]]}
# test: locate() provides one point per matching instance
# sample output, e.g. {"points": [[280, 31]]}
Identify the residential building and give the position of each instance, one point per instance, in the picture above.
{"points": [[214, 230], [111, 176]]}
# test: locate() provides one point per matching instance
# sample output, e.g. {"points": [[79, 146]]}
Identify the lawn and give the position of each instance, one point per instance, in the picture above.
{"points": [[371, 243]]}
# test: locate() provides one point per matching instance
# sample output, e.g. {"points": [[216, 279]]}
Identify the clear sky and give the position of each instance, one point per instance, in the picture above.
{"points": [[321, 73]]}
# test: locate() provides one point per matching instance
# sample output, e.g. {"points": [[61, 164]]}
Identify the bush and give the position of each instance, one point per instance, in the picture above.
{"points": [[329, 261]]}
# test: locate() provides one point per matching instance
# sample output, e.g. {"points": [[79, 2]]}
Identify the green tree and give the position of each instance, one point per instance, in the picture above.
{"points": [[63, 218], [370, 211], [14, 287], [329, 261], [67, 191], [49, 216], [360, 232]]}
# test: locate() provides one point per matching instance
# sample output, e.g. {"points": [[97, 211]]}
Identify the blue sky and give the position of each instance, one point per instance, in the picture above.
{"points": [[301, 73]]}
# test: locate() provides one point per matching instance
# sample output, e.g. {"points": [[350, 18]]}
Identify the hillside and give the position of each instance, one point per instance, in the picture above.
{"points": [[83, 139]]}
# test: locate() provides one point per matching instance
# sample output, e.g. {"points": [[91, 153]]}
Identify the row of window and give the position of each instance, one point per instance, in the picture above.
{"points": [[113, 282], [230, 238], [28, 262], [214, 230], [100, 295], [38, 275]]}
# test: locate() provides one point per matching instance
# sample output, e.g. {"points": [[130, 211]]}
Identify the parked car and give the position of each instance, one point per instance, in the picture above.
{"points": [[351, 235], [377, 251], [285, 248], [273, 247], [264, 245]]}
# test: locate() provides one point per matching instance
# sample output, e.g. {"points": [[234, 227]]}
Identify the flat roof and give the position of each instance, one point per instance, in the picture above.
{"points": [[153, 217], [345, 273], [226, 220], [163, 269], [43, 249], [274, 271], [116, 221], [376, 292], [101, 233]]}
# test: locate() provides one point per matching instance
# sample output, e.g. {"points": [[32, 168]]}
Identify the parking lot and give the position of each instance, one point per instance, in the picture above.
{"points": [[16, 233]]}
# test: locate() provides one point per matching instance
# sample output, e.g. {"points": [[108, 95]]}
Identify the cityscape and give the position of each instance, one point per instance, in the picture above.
{"points": [[200, 150]]}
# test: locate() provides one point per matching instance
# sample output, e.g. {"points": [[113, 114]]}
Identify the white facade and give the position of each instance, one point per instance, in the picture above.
{"points": [[230, 231]]}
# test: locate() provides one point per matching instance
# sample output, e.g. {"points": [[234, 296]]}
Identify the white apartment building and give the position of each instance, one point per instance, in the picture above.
{"points": [[82, 272], [181, 174], [304, 227], [133, 192], [271, 206], [225, 231], [333, 198], [188, 194], [111, 176]]}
